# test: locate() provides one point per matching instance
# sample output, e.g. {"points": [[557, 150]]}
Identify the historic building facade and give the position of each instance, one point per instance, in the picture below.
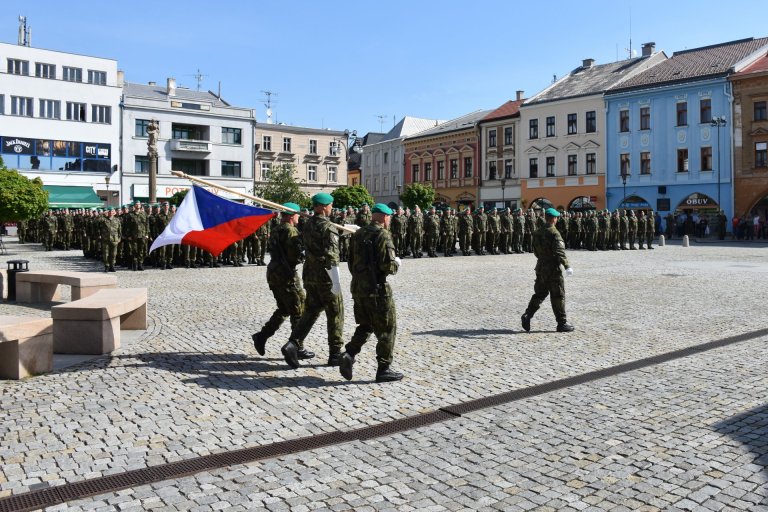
{"points": [[500, 135]]}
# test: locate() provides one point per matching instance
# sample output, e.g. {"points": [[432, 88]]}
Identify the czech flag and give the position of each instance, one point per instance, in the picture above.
{"points": [[210, 222]]}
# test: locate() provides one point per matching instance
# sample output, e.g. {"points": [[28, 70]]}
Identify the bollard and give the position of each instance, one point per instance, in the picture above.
{"points": [[14, 267], [661, 240], [685, 241]]}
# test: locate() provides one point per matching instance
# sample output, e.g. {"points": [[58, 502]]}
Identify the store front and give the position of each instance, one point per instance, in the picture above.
{"points": [[582, 204], [696, 215], [60, 196], [635, 202], [540, 203]]}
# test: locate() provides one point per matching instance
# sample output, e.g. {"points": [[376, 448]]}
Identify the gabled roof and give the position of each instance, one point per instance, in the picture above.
{"points": [[594, 79], [410, 125], [459, 123], [696, 64], [159, 92], [758, 66], [509, 109]]}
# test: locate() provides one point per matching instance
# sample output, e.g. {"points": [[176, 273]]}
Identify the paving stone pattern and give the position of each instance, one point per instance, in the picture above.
{"points": [[691, 434]]}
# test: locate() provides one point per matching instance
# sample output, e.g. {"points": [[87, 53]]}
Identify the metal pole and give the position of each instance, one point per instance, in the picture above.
{"points": [[718, 166]]}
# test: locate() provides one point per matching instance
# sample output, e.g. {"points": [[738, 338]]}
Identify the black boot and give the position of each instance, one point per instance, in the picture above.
{"points": [[334, 359], [305, 354], [259, 342], [526, 321], [112, 268], [345, 365], [385, 374], [565, 327], [291, 354]]}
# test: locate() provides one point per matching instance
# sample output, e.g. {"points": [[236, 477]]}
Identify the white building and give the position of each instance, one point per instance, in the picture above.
{"points": [[383, 160], [59, 121], [200, 134]]}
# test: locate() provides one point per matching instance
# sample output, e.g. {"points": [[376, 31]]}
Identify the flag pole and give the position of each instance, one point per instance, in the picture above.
{"points": [[265, 202]]}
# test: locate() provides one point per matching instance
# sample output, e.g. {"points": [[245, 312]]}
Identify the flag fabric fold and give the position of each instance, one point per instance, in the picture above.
{"points": [[211, 223]]}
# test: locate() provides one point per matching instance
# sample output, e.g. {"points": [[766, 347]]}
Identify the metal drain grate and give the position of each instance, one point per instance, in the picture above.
{"points": [[51, 496]]}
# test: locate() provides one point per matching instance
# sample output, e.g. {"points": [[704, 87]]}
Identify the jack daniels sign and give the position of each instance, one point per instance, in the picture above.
{"points": [[47, 148]]}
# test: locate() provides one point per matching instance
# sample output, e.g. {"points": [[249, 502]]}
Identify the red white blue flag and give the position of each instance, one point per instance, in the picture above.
{"points": [[211, 223]]}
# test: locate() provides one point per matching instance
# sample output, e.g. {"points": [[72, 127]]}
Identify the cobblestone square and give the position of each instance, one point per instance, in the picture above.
{"points": [[687, 434]]}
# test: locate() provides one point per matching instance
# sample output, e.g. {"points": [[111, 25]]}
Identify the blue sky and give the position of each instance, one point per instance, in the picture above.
{"points": [[340, 65]]}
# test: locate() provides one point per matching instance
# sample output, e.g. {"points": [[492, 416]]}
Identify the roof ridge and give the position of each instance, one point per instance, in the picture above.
{"points": [[709, 47]]}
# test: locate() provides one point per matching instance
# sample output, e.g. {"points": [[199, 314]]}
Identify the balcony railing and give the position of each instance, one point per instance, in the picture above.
{"points": [[193, 146]]}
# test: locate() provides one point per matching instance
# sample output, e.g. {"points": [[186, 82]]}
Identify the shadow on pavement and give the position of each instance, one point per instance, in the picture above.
{"points": [[474, 333]]}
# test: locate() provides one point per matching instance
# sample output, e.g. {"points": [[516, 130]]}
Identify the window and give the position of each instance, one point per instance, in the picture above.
{"points": [[440, 169], [492, 138], [533, 167], [386, 157], [97, 77], [72, 74], [624, 120], [375, 184], [312, 146], [286, 144], [624, 165], [550, 167], [491, 170], [572, 128], [385, 184], [101, 114], [18, 67], [266, 167], [645, 118], [266, 143], [591, 122], [761, 154], [333, 148], [45, 70], [141, 128], [50, 109], [428, 171], [21, 106], [509, 168], [187, 132], [332, 173], [376, 159], [141, 164], [467, 167], [551, 126], [192, 167], [230, 169], [415, 172], [682, 160], [705, 110], [533, 129], [231, 135], [311, 173], [645, 162], [508, 136], [706, 158], [75, 111], [454, 169], [2, 104], [682, 113], [573, 166], [591, 163], [760, 111]]}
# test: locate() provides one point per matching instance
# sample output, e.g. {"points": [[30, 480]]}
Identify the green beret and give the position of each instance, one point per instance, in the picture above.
{"points": [[551, 212], [382, 208], [322, 198], [293, 207]]}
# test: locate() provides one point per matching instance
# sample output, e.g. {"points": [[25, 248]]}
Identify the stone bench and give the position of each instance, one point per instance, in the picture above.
{"points": [[92, 325], [45, 285], [26, 346]]}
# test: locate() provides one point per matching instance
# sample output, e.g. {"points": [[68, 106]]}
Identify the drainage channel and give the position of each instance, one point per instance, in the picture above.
{"points": [[51, 496]]}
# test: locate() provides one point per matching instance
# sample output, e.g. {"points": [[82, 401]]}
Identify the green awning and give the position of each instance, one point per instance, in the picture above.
{"points": [[62, 196]]}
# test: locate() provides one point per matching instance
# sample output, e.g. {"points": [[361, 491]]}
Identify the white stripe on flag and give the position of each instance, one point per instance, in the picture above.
{"points": [[185, 220]]}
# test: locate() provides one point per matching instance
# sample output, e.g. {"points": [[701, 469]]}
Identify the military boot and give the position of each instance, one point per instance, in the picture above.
{"points": [[112, 268], [526, 321], [259, 342], [385, 374], [565, 327], [291, 354], [345, 365], [334, 359]]}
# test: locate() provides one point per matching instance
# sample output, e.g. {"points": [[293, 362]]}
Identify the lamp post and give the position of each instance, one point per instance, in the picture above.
{"points": [[399, 188], [106, 180], [503, 186], [624, 182], [718, 122]]}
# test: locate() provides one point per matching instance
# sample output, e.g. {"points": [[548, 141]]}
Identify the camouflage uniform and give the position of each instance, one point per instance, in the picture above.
{"points": [[466, 228], [110, 233], [397, 227]]}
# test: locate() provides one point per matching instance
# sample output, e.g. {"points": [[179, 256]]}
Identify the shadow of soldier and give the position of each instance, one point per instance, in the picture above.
{"points": [[751, 429], [239, 372], [473, 333]]}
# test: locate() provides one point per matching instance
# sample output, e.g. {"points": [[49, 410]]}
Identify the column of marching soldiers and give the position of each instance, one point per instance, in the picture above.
{"points": [[121, 236]]}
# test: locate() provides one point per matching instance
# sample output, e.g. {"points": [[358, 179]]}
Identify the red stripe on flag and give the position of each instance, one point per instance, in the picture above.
{"points": [[216, 239]]}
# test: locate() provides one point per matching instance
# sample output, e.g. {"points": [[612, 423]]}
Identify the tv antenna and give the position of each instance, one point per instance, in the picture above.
{"points": [[25, 33], [198, 78], [268, 104], [381, 122]]}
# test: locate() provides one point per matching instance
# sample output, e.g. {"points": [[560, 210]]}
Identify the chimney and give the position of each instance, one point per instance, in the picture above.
{"points": [[120, 78], [649, 49], [587, 63], [152, 83], [171, 87], [519, 95]]}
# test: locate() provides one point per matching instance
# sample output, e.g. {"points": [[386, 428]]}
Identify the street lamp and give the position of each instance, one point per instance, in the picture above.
{"points": [[624, 182], [106, 180], [718, 122], [503, 186]]}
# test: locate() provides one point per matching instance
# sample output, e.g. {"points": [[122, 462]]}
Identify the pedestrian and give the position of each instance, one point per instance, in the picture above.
{"points": [[372, 258], [549, 248]]}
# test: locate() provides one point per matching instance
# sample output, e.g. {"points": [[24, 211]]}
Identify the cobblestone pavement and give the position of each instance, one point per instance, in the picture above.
{"points": [[690, 434]]}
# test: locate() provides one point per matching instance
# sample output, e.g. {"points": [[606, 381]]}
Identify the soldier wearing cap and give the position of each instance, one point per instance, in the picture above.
{"points": [[323, 290], [286, 250], [371, 259], [110, 233], [549, 248]]}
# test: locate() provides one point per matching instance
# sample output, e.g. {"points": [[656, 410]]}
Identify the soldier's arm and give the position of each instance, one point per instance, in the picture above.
{"points": [[386, 252], [558, 250]]}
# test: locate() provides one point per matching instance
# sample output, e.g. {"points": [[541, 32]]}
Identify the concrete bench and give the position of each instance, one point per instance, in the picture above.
{"points": [[26, 346], [45, 285], [92, 325]]}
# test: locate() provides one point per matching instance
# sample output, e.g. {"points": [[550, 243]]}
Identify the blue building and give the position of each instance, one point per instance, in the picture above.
{"points": [[669, 132]]}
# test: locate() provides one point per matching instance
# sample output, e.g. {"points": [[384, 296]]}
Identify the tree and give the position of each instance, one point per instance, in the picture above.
{"points": [[354, 196], [282, 187], [178, 197], [418, 194], [20, 197]]}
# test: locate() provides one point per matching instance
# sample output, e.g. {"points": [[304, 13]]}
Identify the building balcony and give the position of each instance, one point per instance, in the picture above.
{"points": [[191, 146]]}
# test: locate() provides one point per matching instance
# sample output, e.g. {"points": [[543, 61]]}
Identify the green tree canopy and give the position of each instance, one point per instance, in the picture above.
{"points": [[418, 194], [354, 196], [20, 197], [282, 187], [178, 197]]}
